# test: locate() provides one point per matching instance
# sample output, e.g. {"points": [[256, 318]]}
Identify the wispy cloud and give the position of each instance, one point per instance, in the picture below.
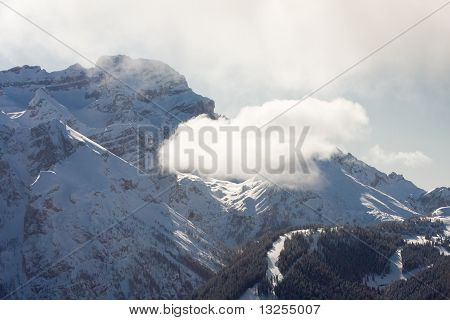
{"points": [[397, 160]]}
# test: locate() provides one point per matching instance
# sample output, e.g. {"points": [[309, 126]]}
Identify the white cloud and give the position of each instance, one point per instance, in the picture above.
{"points": [[397, 160], [247, 52], [331, 123], [255, 49]]}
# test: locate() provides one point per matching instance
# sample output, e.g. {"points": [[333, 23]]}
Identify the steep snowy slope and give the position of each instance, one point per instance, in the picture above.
{"points": [[145, 248], [393, 184], [235, 212], [43, 108], [116, 82], [56, 191], [430, 201], [106, 103], [13, 200]]}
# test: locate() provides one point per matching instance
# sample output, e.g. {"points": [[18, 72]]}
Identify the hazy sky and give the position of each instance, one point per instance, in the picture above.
{"points": [[243, 53]]}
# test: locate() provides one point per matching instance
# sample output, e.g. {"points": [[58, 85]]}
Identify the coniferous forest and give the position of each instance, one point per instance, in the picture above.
{"points": [[340, 263]]}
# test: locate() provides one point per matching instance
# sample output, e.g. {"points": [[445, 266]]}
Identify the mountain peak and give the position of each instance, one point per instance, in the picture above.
{"points": [[442, 191], [40, 95], [395, 176], [141, 74], [110, 61], [128, 64], [22, 74], [23, 68], [43, 107]]}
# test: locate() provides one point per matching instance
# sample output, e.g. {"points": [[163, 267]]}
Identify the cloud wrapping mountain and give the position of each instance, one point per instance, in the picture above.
{"points": [[258, 139], [78, 220]]}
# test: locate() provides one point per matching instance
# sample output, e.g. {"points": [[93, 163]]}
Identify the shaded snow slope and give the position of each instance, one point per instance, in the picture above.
{"points": [[393, 184], [236, 212], [87, 191], [106, 103], [431, 201]]}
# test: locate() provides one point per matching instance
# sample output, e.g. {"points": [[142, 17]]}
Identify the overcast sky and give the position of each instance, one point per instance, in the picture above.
{"points": [[242, 53]]}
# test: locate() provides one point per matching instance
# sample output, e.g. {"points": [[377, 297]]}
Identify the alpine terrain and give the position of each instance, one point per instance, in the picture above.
{"points": [[80, 219]]}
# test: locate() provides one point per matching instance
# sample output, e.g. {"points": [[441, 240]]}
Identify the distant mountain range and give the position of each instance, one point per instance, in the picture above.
{"points": [[78, 220]]}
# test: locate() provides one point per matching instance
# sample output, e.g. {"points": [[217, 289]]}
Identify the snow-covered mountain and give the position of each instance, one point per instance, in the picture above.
{"points": [[393, 184], [59, 188], [106, 103], [72, 190], [78, 219], [430, 201]]}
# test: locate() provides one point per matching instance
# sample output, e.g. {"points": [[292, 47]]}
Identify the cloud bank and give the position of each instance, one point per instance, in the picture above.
{"points": [[236, 148], [379, 157], [247, 52]]}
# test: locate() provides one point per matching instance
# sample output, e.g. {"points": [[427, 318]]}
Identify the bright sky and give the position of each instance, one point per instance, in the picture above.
{"points": [[243, 53]]}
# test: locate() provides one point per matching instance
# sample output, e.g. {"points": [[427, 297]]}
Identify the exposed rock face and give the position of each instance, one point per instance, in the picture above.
{"points": [[106, 101], [430, 201], [58, 189], [73, 190]]}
